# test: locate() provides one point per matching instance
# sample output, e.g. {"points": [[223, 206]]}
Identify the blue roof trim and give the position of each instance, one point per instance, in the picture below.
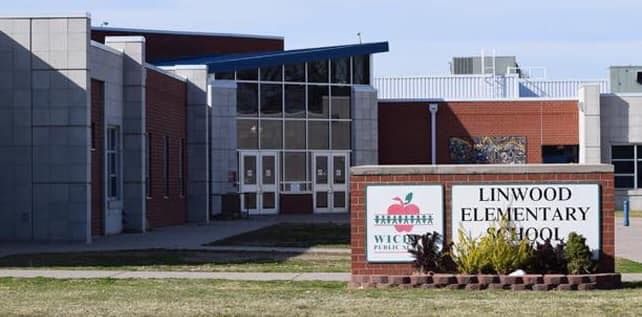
{"points": [[226, 63]]}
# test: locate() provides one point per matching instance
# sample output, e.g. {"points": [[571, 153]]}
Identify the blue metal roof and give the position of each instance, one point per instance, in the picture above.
{"points": [[226, 63]]}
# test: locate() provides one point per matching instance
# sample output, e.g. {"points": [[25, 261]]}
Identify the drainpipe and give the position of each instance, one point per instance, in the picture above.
{"points": [[433, 107]]}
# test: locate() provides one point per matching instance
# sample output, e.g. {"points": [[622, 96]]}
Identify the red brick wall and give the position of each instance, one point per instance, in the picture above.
{"points": [[358, 220], [404, 128], [97, 155], [159, 46], [166, 107]]}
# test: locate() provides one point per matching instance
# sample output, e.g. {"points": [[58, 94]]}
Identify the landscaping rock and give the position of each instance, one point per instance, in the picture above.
{"points": [[576, 279], [532, 279], [487, 279], [399, 279], [510, 280], [542, 287], [475, 287], [379, 279], [420, 279], [456, 286], [586, 287], [566, 287], [555, 279], [444, 279], [497, 286], [466, 279], [520, 287]]}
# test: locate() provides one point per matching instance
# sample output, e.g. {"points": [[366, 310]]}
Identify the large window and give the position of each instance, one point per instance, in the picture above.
{"points": [[627, 160], [113, 162], [298, 109]]}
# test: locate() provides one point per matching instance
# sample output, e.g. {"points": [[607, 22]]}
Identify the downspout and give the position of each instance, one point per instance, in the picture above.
{"points": [[433, 107]]}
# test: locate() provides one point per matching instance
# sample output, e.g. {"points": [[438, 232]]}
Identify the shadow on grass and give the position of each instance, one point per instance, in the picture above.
{"points": [[632, 285], [293, 235]]}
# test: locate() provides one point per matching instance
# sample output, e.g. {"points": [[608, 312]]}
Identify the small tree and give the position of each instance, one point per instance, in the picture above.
{"points": [[578, 254]]}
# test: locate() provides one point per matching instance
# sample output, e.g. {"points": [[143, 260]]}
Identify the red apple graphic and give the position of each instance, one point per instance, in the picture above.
{"points": [[403, 208]]}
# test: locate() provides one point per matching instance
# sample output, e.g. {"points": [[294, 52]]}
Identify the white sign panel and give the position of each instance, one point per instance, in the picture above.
{"points": [[395, 211], [539, 211]]}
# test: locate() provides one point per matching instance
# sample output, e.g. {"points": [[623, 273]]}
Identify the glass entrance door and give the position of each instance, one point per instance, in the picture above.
{"points": [[259, 179], [330, 182]]}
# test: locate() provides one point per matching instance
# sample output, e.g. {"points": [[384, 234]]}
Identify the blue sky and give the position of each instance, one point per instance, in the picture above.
{"points": [[571, 38]]}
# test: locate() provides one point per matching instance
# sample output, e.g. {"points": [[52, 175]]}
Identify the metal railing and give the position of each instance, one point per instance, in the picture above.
{"points": [[455, 87]]}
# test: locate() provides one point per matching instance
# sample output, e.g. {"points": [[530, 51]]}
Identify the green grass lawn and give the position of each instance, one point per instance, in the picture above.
{"points": [[28, 297], [627, 266], [172, 260], [326, 235], [632, 213]]}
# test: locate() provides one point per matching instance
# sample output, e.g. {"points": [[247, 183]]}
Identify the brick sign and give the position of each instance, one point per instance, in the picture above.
{"points": [[539, 211], [395, 211]]}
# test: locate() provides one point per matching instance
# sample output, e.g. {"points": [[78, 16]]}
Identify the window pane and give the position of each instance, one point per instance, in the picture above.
{"points": [[246, 132], [294, 166], [624, 182], [640, 151], [341, 70], [247, 97], [624, 167], [248, 74], [269, 200], [339, 164], [249, 169], [639, 174], [295, 101], [341, 135], [622, 151], [321, 169], [318, 135], [268, 167], [295, 72], [295, 135], [271, 100], [340, 102], [339, 199], [224, 75], [322, 199], [113, 186], [318, 105], [318, 72], [250, 200], [271, 134], [361, 70], [273, 73]]}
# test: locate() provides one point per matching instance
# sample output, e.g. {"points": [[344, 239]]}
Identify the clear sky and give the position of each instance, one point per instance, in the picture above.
{"points": [[571, 38]]}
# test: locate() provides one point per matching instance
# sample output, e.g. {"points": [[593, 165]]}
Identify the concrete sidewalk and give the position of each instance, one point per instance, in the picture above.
{"points": [[184, 237], [627, 239], [236, 276]]}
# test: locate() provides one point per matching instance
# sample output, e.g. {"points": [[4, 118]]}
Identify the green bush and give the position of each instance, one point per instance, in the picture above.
{"points": [[549, 259], [498, 251], [578, 254]]}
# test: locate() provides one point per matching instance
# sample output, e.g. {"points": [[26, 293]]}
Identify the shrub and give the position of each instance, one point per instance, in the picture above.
{"points": [[548, 258], [498, 251], [578, 254], [428, 253], [469, 256]]}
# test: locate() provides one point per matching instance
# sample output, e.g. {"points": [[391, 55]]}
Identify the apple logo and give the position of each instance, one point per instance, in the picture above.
{"points": [[403, 208]]}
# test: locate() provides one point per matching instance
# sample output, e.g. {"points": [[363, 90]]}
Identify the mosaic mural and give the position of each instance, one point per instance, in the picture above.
{"points": [[488, 150]]}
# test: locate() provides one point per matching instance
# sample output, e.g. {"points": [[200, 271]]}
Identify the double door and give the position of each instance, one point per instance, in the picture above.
{"points": [[330, 181], [259, 182]]}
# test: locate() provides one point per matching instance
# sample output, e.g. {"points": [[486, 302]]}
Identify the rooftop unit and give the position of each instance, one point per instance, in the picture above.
{"points": [[626, 79], [480, 65]]}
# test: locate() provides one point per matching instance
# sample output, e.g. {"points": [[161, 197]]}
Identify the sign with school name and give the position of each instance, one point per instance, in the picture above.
{"points": [[538, 211], [395, 211]]}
